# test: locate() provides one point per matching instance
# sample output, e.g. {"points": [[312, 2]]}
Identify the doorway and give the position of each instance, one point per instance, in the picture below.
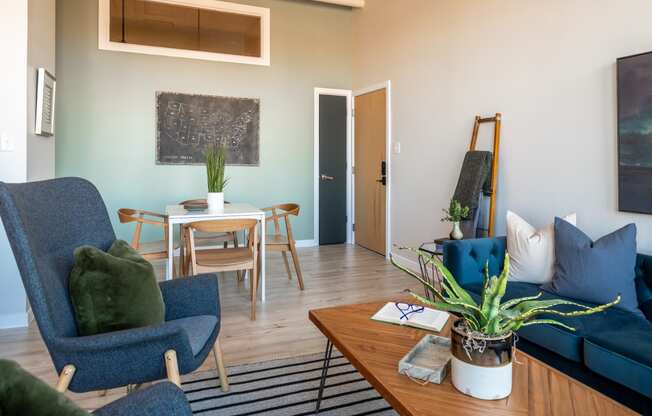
{"points": [[332, 166], [372, 184]]}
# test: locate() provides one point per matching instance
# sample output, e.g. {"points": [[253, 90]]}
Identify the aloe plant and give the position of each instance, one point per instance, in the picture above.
{"points": [[491, 317], [215, 167]]}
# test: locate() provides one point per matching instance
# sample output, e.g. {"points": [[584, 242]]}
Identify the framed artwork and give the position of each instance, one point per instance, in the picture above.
{"points": [[186, 124], [635, 133], [46, 86]]}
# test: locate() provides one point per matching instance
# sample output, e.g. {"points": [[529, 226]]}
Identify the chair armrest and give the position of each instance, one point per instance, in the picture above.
{"points": [[466, 259], [191, 296], [162, 399], [115, 359]]}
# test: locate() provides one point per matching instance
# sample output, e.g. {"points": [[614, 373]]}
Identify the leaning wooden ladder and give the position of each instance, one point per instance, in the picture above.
{"points": [[494, 163]]}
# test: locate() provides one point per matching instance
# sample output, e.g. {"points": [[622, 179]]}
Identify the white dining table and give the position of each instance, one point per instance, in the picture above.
{"points": [[178, 215]]}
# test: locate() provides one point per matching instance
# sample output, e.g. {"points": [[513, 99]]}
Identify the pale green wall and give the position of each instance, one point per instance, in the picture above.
{"points": [[106, 109]]}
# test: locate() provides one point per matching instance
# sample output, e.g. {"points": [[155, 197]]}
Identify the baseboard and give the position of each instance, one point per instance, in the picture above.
{"points": [[408, 263], [13, 320], [305, 243]]}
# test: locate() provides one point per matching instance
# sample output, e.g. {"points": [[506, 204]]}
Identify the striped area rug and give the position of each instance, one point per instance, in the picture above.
{"points": [[285, 387]]}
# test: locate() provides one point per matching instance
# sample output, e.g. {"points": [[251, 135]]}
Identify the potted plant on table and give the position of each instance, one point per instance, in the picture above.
{"points": [[456, 213], [482, 338], [215, 168]]}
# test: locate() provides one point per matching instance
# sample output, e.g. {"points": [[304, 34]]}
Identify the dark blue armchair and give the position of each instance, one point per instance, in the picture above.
{"points": [[45, 221], [159, 400]]}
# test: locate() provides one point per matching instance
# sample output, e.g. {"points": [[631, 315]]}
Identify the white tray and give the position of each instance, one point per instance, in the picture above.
{"points": [[429, 360]]}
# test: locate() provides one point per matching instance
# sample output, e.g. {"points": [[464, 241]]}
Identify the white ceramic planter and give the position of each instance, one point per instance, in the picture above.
{"points": [[456, 234], [481, 367], [487, 383], [215, 201]]}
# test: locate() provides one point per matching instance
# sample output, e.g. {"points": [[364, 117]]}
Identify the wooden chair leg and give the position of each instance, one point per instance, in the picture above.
{"points": [[172, 367], [65, 378], [219, 363], [297, 267], [287, 265]]}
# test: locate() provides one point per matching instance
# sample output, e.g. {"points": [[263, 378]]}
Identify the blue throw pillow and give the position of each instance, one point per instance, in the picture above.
{"points": [[597, 271]]}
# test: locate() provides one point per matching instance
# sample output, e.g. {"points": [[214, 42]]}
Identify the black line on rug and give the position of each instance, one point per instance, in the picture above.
{"points": [[237, 383], [325, 409], [339, 406], [342, 383], [373, 412], [321, 360]]}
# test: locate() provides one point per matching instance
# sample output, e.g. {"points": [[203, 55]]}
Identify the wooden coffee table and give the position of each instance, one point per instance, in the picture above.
{"points": [[375, 348]]}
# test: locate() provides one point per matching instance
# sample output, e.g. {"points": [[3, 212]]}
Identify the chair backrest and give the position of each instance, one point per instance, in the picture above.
{"points": [[140, 217], [223, 226], [282, 211], [45, 222]]}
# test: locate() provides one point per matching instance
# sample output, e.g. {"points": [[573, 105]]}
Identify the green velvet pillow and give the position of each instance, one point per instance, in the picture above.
{"points": [[23, 394], [114, 290]]}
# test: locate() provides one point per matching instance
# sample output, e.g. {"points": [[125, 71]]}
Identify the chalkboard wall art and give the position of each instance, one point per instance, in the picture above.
{"points": [[186, 124], [635, 133]]}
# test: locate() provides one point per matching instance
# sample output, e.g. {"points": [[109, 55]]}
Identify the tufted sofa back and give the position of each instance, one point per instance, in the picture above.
{"points": [[466, 260]]}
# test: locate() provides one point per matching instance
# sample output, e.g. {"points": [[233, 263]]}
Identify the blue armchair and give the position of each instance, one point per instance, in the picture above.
{"points": [[159, 400], [45, 221]]}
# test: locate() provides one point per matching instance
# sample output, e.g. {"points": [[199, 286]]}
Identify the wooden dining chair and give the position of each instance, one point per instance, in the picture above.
{"points": [[226, 259], [206, 240], [284, 242], [156, 250]]}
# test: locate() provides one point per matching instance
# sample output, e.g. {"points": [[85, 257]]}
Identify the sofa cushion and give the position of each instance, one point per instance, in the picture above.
{"points": [[595, 271], [23, 394], [622, 354], [114, 290], [198, 328], [531, 251]]}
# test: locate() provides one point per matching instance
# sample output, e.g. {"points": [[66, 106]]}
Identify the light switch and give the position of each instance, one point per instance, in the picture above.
{"points": [[397, 148], [6, 143]]}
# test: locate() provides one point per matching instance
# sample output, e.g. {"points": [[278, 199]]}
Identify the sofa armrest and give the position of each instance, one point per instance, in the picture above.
{"points": [[466, 259], [191, 296], [162, 399]]}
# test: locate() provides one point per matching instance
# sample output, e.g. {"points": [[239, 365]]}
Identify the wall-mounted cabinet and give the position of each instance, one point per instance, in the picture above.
{"points": [[197, 29]]}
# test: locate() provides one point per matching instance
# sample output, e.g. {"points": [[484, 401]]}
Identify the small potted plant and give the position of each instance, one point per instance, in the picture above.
{"points": [[482, 338], [456, 213], [215, 167]]}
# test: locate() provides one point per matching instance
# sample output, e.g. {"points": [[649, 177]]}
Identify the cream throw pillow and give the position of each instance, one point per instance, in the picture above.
{"points": [[531, 251]]}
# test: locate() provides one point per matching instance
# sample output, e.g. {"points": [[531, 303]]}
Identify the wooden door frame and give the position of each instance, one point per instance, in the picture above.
{"points": [[349, 160], [387, 86]]}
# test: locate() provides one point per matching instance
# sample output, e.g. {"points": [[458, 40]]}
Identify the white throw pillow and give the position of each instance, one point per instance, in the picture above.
{"points": [[531, 251]]}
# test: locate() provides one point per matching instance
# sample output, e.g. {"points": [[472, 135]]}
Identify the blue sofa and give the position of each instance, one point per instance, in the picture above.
{"points": [[614, 344]]}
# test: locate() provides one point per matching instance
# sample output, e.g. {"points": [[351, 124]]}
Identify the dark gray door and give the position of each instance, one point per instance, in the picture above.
{"points": [[332, 169]]}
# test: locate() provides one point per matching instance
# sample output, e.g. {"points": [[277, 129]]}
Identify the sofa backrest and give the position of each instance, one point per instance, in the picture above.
{"points": [[466, 260], [45, 222]]}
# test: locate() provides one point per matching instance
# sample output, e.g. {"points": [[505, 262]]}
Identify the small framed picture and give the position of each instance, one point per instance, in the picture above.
{"points": [[46, 86]]}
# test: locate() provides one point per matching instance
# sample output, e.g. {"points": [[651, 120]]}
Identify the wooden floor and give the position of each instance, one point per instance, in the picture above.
{"points": [[334, 275]]}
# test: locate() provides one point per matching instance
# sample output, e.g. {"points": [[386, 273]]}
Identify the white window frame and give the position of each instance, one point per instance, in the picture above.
{"points": [[104, 33]]}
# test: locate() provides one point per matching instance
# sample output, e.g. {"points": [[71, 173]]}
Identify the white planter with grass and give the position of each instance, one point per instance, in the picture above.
{"points": [[215, 168], [215, 201]]}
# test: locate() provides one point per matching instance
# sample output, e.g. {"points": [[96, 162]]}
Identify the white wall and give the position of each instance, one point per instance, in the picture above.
{"points": [[40, 53], [13, 165], [549, 67], [33, 156]]}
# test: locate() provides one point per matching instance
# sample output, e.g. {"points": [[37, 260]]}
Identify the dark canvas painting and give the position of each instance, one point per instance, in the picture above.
{"points": [[635, 133], [187, 124]]}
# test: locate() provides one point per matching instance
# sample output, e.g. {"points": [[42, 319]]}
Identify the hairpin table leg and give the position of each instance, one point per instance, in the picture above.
{"points": [[324, 373]]}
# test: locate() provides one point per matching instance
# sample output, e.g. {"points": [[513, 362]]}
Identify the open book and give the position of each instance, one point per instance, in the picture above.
{"points": [[416, 316]]}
